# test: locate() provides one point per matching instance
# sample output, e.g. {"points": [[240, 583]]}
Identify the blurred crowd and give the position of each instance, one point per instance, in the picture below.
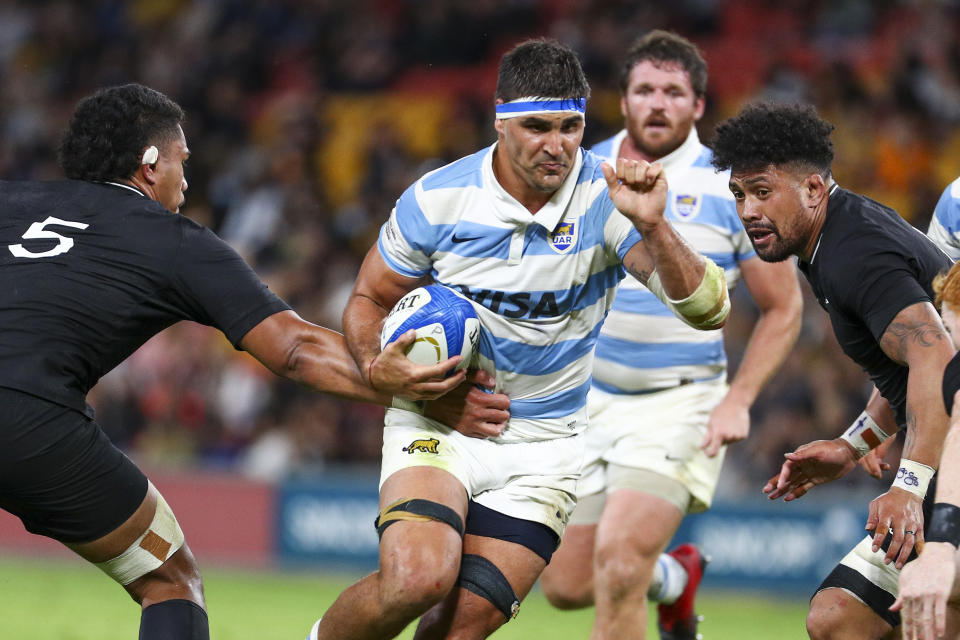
{"points": [[308, 118]]}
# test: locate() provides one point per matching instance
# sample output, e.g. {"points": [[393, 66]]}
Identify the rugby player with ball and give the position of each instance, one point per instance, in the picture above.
{"points": [[528, 230]]}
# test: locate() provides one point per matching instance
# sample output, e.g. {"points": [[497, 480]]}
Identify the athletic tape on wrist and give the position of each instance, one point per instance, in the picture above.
{"points": [[944, 524], [913, 476], [706, 307], [864, 435], [415, 406]]}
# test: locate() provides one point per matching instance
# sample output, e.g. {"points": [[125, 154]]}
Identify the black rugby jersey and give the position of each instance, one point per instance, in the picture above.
{"points": [[89, 272], [870, 264]]}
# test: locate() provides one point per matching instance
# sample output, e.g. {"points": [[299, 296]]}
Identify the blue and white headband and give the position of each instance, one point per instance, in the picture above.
{"points": [[534, 105]]}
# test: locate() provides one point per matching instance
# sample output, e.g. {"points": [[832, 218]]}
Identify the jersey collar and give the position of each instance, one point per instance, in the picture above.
{"points": [[813, 257], [125, 186]]}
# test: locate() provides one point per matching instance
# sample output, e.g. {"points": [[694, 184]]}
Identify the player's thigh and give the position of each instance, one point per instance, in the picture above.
{"points": [[866, 580], [571, 566], [117, 541], [61, 475], [640, 522], [836, 613], [416, 544], [520, 565]]}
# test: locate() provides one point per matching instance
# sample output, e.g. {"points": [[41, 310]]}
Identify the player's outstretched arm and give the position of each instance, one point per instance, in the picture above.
{"points": [[927, 583], [691, 285], [309, 354], [881, 413], [917, 339], [811, 464], [823, 461], [318, 357]]}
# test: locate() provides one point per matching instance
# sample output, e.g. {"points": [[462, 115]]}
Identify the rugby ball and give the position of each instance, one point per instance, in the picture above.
{"points": [[446, 324]]}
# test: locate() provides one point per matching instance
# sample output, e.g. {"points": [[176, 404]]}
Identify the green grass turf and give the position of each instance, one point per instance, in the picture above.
{"points": [[67, 599]]}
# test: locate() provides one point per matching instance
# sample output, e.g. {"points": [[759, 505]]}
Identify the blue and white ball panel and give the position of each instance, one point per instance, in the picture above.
{"points": [[446, 325], [945, 225], [541, 284]]}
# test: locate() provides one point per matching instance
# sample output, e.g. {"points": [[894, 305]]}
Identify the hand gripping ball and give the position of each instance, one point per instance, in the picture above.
{"points": [[446, 324]]}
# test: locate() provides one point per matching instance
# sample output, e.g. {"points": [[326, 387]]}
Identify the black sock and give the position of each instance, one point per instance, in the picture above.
{"points": [[174, 620]]}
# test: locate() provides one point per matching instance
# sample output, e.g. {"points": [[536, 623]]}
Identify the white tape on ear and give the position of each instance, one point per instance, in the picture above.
{"points": [[150, 155]]}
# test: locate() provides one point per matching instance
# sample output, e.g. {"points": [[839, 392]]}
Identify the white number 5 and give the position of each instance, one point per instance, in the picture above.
{"points": [[37, 232]]}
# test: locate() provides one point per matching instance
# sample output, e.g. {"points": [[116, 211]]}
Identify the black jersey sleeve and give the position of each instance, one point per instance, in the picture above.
{"points": [[951, 383], [219, 286], [876, 282]]}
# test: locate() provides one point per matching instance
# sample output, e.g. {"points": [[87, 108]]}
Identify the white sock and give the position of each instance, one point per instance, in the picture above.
{"points": [[669, 580], [313, 630]]}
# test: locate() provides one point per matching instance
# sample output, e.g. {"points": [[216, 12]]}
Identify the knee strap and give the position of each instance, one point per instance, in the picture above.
{"points": [[417, 510], [160, 541], [482, 577]]}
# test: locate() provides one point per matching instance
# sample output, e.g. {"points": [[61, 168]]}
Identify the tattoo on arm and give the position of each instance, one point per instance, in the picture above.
{"points": [[635, 269], [910, 434], [900, 335]]}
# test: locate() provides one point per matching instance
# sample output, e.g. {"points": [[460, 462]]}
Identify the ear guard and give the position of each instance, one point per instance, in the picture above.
{"points": [[150, 155]]}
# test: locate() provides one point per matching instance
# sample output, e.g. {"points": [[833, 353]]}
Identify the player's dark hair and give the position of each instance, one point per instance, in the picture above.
{"points": [[109, 130], [543, 68], [765, 134], [660, 47]]}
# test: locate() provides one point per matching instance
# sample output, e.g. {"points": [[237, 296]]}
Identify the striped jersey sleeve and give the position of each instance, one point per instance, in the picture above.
{"points": [[945, 225]]}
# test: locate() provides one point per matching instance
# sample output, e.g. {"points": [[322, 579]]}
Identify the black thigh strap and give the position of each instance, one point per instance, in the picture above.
{"points": [[482, 577], [417, 510]]}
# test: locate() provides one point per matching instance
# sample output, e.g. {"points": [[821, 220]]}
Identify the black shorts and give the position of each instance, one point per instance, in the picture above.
{"points": [[539, 538], [60, 474]]}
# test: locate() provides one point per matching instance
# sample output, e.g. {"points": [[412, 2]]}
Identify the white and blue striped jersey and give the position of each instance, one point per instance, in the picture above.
{"points": [[945, 225], [541, 284], [643, 346]]}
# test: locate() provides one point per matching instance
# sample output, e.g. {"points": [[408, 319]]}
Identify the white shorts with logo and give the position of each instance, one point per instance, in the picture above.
{"points": [[529, 480], [659, 432]]}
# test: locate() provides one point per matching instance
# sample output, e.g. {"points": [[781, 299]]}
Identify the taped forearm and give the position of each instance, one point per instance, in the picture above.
{"points": [[707, 307]]}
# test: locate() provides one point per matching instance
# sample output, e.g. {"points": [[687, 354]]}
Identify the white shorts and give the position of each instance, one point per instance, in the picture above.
{"points": [[869, 563], [529, 480], [659, 432]]}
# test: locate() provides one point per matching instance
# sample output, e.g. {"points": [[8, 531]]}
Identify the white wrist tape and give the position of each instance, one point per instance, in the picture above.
{"points": [[706, 307], [913, 477], [864, 434], [416, 406]]}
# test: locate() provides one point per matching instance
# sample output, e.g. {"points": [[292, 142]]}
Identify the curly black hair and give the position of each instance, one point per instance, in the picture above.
{"points": [[541, 67], [660, 47], [765, 134], [109, 130]]}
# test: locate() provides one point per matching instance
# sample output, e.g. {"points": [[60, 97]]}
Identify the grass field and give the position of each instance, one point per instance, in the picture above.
{"points": [[69, 600]]}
